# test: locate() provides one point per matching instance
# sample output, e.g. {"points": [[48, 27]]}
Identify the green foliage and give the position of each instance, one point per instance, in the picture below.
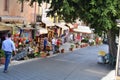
{"points": [[98, 14], [71, 46], [37, 54], [86, 40], [1, 53]]}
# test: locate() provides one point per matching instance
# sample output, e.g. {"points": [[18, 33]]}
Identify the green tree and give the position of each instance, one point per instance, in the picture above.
{"points": [[98, 14]]}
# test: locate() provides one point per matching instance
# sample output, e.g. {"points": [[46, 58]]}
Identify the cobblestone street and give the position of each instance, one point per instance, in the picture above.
{"points": [[81, 64]]}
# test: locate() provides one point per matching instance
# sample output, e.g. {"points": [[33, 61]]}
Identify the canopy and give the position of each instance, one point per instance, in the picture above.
{"points": [[83, 29], [42, 30], [70, 25], [28, 27], [3, 28], [62, 25], [47, 22]]}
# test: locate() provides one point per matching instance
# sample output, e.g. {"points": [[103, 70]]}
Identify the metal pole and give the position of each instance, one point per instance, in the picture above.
{"points": [[117, 73]]}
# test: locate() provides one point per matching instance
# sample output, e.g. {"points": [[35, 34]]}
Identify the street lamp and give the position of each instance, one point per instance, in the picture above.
{"points": [[118, 54]]}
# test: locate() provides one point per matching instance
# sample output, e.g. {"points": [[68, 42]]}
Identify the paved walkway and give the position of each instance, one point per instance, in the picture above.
{"points": [[80, 64]]}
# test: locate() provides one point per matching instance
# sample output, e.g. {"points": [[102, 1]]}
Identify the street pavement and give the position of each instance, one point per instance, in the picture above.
{"points": [[80, 64]]}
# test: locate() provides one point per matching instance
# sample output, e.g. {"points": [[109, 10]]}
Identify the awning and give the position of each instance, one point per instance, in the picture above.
{"points": [[27, 27], [16, 19], [4, 27], [70, 25], [83, 29], [47, 22], [62, 25], [42, 30]]}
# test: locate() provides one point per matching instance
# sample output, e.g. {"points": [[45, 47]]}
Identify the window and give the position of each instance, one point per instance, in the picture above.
{"points": [[22, 6], [38, 18], [6, 6]]}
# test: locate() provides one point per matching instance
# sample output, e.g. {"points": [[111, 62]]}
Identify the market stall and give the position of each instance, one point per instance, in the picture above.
{"points": [[41, 34], [61, 28], [82, 35]]}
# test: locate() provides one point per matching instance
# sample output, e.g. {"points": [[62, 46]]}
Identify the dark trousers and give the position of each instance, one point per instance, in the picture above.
{"points": [[44, 48], [7, 59]]}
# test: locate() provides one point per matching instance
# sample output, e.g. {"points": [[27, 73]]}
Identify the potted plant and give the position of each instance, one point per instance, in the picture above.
{"points": [[71, 47], [62, 50], [36, 54], [43, 54], [48, 50], [2, 57], [77, 45]]}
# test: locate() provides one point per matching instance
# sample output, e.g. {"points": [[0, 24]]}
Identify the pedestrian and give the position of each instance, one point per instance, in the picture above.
{"points": [[57, 44], [45, 43], [53, 44], [8, 47], [97, 41]]}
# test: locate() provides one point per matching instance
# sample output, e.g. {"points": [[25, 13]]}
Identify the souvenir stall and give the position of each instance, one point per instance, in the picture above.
{"points": [[27, 33], [13, 22], [61, 28], [84, 31], [9, 23], [23, 39], [49, 25], [41, 34], [83, 34], [50, 34]]}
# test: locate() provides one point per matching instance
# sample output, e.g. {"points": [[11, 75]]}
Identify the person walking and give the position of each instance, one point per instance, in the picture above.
{"points": [[53, 45], [57, 45], [8, 47], [45, 43], [97, 41]]}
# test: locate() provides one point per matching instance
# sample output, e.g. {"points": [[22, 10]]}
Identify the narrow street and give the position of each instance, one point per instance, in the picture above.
{"points": [[80, 64]]}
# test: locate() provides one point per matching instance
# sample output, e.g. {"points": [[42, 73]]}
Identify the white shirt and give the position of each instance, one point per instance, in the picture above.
{"points": [[8, 45], [53, 41]]}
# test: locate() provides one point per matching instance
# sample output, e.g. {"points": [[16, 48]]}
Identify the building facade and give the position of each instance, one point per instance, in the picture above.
{"points": [[13, 8]]}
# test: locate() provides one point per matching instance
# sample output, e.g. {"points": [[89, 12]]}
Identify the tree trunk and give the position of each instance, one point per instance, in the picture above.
{"points": [[112, 47], [111, 43]]}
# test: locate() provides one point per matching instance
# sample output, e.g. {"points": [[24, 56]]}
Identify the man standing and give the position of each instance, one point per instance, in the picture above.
{"points": [[8, 47], [53, 44], [45, 43]]}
